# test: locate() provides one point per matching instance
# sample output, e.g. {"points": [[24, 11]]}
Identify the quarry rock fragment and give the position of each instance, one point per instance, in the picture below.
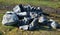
{"points": [[24, 27], [17, 9], [53, 24], [10, 18], [33, 24]]}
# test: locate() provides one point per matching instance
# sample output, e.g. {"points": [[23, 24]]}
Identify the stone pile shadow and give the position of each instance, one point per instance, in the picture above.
{"points": [[40, 27]]}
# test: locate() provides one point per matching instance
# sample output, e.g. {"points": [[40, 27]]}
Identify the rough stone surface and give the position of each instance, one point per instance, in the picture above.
{"points": [[9, 18], [24, 27]]}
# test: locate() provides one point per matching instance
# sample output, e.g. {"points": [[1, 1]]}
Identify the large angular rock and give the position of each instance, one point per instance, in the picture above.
{"points": [[21, 15], [10, 18], [33, 24], [17, 9], [53, 24]]}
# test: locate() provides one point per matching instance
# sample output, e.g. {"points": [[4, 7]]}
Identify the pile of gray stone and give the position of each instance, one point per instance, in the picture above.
{"points": [[27, 17]]}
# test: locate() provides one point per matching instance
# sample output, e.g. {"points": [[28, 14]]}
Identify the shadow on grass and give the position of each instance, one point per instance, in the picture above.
{"points": [[46, 28], [40, 27]]}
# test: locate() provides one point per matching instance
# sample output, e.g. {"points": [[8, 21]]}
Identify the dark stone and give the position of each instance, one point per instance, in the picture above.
{"points": [[21, 7]]}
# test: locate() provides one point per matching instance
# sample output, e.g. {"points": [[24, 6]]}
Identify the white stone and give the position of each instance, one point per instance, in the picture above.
{"points": [[38, 8], [9, 18], [24, 27], [53, 24], [22, 14], [17, 9], [42, 19]]}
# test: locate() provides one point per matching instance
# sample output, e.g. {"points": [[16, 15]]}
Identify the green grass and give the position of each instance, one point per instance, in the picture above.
{"points": [[32, 2]]}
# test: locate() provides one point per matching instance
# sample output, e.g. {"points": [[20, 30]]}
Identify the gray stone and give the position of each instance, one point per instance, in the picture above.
{"points": [[42, 19], [33, 14], [33, 24], [27, 8], [22, 14], [53, 24], [10, 18], [33, 9], [24, 27], [17, 9]]}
